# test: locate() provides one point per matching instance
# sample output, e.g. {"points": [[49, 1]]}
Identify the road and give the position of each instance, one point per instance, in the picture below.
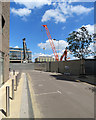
{"points": [[58, 96]]}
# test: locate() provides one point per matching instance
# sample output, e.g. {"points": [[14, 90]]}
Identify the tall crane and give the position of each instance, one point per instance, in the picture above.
{"points": [[25, 53], [51, 42]]}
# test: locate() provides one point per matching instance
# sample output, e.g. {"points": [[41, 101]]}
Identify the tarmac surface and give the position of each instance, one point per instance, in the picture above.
{"points": [[50, 95], [59, 96]]}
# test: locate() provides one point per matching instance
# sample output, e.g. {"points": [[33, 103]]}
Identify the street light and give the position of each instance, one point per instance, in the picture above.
{"points": [[58, 46], [58, 53]]}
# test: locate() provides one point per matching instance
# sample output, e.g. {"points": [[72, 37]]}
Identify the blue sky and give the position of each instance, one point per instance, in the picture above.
{"points": [[27, 18]]}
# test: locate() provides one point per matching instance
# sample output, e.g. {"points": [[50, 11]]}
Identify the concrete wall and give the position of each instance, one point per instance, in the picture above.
{"points": [[90, 67], [4, 39], [72, 67], [0, 27], [21, 66], [40, 66]]}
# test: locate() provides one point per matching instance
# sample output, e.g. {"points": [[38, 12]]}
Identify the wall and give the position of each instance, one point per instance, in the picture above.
{"points": [[90, 66], [40, 66], [72, 67], [0, 27], [21, 66], [5, 37]]}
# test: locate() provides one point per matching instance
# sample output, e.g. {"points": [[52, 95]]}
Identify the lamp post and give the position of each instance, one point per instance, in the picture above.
{"points": [[58, 53]]}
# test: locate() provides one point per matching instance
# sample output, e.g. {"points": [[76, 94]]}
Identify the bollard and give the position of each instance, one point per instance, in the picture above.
{"points": [[16, 82], [13, 72], [7, 101], [12, 89], [9, 69], [17, 79]]}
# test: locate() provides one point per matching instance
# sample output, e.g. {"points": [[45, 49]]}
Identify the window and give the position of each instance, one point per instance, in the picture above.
{"points": [[1, 67]]}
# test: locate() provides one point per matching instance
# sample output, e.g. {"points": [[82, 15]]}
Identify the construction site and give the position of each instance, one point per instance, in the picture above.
{"points": [[48, 85]]}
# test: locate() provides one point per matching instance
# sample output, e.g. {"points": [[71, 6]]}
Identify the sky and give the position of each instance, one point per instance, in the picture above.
{"points": [[61, 18]]}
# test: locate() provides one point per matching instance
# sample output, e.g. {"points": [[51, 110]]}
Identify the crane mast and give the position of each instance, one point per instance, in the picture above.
{"points": [[25, 58], [51, 42]]}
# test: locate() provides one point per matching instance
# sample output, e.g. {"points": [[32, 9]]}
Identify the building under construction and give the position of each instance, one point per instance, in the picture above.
{"points": [[16, 55]]}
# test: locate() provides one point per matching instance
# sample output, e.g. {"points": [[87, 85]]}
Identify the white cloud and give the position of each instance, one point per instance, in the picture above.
{"points": [[55, 14], [16, 47], [63, 11], [81, 1], [89, 27], [48, 1], [79, 9], [60, 14], [61, 45], [21, 12], [31, 4]]}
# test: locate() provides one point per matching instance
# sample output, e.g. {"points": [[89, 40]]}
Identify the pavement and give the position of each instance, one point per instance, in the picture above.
{"points": [[59, 96], [21, 106], [3, 94], [48, 95]]}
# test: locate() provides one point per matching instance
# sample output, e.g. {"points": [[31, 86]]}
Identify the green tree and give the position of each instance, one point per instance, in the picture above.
{"points": [[79, 42]]}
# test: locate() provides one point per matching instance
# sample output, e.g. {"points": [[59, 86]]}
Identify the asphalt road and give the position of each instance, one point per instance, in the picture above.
{"points": [[58, 96]]}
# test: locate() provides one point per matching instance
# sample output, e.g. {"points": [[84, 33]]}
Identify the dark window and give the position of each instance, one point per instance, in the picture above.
{"points": [[3, 21]]}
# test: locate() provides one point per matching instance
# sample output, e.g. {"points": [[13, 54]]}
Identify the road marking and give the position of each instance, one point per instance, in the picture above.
{"points": [[40, 85], [59, 92], [48, 93]]}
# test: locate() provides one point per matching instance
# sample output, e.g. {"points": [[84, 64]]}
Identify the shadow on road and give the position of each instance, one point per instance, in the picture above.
{"points": [[64, 78]]}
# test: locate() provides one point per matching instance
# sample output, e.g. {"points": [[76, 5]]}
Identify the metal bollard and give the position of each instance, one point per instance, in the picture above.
{"points": [[12, 89], [17, 80], [7, 101], [16, 83], [13, 72]]}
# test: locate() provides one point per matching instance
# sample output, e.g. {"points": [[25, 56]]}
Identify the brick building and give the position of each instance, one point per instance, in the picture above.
{"points": [[4, 41]]}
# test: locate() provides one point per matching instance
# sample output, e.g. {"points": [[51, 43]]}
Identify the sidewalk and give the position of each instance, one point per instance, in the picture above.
{"points": [[21, 106], [3, 94]]}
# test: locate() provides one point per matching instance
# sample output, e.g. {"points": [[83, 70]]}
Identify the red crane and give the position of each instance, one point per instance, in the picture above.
{"points": [[64, 55], [51, 42]]}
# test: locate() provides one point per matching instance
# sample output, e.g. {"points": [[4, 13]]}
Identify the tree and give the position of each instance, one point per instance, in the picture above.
{"points": [[79, 42]]}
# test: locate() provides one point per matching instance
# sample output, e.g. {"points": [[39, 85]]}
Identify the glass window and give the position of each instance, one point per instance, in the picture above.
{"points": [[1, 67]]}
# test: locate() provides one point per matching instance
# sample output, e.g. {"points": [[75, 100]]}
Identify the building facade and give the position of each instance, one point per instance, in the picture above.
{"points": [[44, 59], [4, 41], [16, 55]]}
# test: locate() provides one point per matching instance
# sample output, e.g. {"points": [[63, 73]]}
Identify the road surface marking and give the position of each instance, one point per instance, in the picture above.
{"points": [[48, 93], [40, 85], [59, 92]]}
